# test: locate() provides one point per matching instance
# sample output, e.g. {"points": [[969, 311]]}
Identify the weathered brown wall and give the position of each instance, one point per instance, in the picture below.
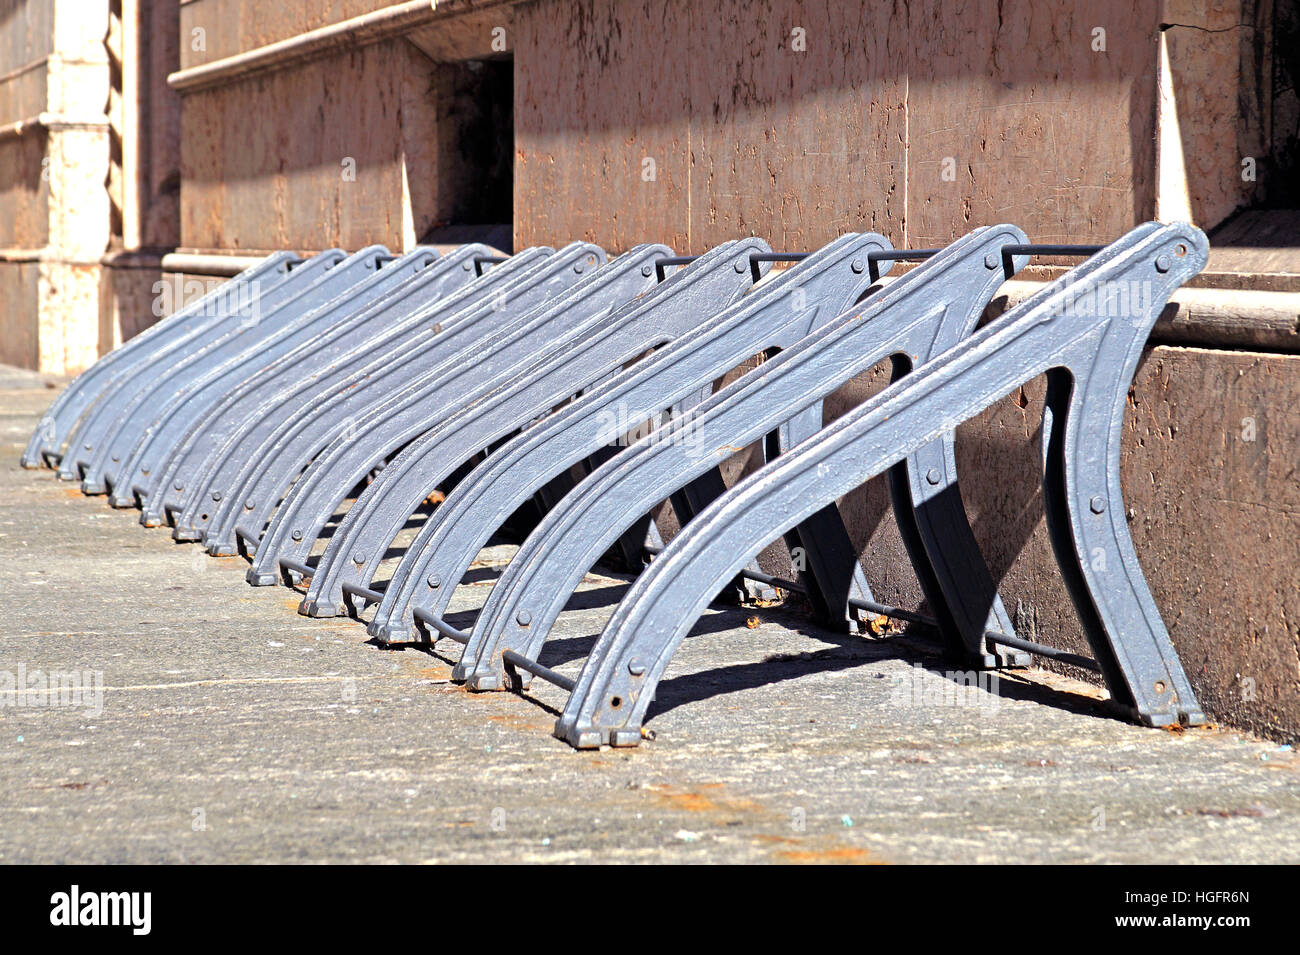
{"points": [[1216, 120], [749, 136], [281, 184], [24, 191], [159, 139], [227, 27]]}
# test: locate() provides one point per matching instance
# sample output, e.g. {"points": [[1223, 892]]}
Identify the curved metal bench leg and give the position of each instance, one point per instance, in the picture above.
{"points": [[776, 313], [185, 327], [625, 336], [344, 343], [696, 495], [434, 395], [122, 415], [1092, 359], [319, 414], [954, 578], [120, 388], [826, 560], [254, 470], [713, 282], [498, 408], [928, 310], [138, 478]]}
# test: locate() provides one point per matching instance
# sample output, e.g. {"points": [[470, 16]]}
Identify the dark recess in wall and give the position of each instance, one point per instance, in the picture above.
{"points": [[476, 149]]}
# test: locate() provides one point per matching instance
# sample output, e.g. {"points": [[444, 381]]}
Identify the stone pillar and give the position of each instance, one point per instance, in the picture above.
{"points": [[54, 209]]}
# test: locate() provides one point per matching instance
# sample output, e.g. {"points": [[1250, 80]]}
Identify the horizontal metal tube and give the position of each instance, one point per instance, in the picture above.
{"points": [[518, 661], [909, 616], [442, 626], [295, 567], [365, 593]]}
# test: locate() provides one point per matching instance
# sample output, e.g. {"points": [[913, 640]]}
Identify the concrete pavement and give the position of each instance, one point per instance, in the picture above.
{"points": [[230, 729]]}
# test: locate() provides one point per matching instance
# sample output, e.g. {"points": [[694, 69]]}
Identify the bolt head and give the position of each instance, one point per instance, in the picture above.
{"points": [[523, 618], [1163, 263], [216, 495], [991, 261], [250, 505], [296, 535], [435, 581], [740, 266], [932, 475], [636, 668], [1097, 504], [358, 557], [178, 486], [858, 266], [646, 270]]}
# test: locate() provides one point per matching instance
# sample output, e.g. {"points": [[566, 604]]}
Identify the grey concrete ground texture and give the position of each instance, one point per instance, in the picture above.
{"points": [[231, 729]]}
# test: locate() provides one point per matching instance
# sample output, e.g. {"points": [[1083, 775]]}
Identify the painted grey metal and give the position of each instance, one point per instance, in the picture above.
{"points": [[121, 388], [491, 304], [343, 345], [536, 308], [137, 477], [256, 466], [773, 315], [920, 315], [203, 318], [499, 407], [1086, 331], [120, 410], [822, 285], [559, 322]]}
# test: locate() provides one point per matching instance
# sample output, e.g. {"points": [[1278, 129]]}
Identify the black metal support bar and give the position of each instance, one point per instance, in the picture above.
{"points": [[759, 257], [896, 255], [892, 255], [661, 264], [1034, 248], [295, 567], [483, 260], [517, 661], [1064, 656], [243, 534], [442, 626], [909, 616], [365, 593]]}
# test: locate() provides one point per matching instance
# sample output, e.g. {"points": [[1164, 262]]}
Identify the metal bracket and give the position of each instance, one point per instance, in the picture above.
{"points": [[1086, 331], [268, 282], [680, 374], [387, 504], [592, 352], [168, 427], [248, 476], [384, 428], [355, 336], [919, 315], [96, 445]]}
